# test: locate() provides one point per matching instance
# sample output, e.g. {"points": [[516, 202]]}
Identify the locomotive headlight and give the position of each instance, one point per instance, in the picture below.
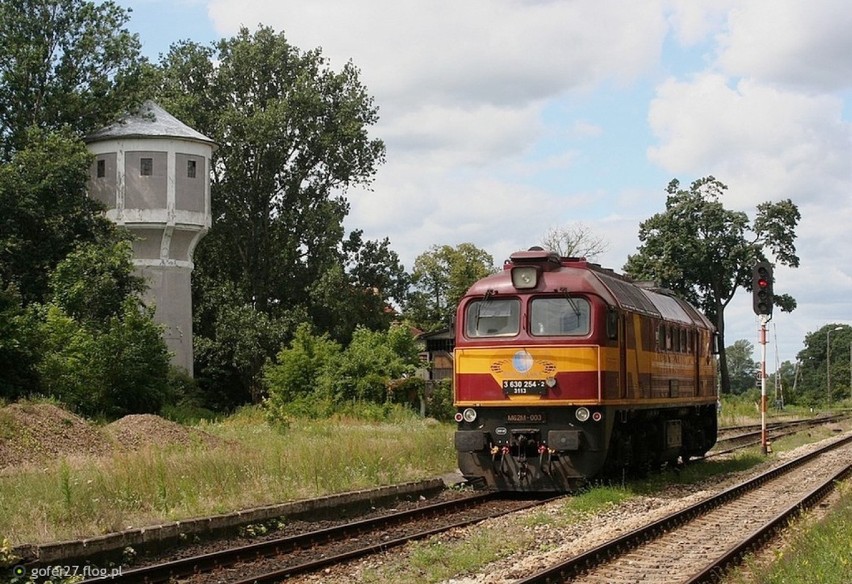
{"points": [[582, 414], [469, 415], [524, 277]]}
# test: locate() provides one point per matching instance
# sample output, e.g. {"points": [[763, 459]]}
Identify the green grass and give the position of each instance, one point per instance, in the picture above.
{"points": [[259, 465], [741, 410]]}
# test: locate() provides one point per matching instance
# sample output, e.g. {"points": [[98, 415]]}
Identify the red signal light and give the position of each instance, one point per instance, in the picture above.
{"points": [[761, 286]]}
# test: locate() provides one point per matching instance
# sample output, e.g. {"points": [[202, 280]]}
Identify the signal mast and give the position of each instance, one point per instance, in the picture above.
{"points": [[762, 301]]}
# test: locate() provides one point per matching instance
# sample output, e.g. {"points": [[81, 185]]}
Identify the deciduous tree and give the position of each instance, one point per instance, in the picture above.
{"points": [[815, 360], [741, 366], [44, 211], [292, 138], [440, 278], [575, 240], [64, 63], [99, 348], [706, 252]]}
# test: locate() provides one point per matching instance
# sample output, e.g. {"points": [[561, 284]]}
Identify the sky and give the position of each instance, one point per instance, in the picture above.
{"points": [[505, 118]]}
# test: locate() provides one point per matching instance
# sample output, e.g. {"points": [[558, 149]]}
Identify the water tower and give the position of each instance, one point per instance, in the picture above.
{"points": [[153, 174]]}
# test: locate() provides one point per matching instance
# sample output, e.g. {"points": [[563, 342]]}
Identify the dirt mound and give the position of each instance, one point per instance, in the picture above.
{"points": [[37, 432], [139, 430]]}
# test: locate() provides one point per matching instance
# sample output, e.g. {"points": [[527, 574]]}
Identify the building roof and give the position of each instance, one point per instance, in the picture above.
{"points": [[149, 121]]}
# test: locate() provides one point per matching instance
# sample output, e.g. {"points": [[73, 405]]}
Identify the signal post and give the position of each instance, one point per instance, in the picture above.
{"points": [[761, 286]]}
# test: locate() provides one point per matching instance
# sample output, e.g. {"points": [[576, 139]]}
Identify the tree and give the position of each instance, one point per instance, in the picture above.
{"points": [[17, 347], [742, 369], [298, 368], [371, 361], [361, 290], [440, 278], [783, 382], [64, 63], [705, 252], [93, 282], [45, 211], [315, 375], [815, 359], [99, 350], [292, 140], [574, 241], [233, 341]]}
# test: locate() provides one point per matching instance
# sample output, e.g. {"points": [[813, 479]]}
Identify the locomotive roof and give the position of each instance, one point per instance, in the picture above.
{"points": [[577, 276]]}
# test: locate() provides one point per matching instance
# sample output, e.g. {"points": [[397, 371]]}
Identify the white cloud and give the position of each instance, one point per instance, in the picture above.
{"points": [[694, 21], [460, 136], [772, 143], [789, 42], [492, 51]]}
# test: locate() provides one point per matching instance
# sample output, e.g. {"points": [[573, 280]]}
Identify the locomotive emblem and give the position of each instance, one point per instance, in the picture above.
{"points": [[522, 361], [522, 364]]}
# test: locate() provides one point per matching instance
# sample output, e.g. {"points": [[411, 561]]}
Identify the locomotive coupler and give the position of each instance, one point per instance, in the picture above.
{"points": [[522, 457]]}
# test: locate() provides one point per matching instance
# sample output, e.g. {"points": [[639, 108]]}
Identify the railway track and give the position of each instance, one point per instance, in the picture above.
{"points": [[736, 438], [699, 543], [280, 558]]}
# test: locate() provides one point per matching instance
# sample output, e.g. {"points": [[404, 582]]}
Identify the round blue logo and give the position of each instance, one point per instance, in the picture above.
{"points": [[522, 361]]}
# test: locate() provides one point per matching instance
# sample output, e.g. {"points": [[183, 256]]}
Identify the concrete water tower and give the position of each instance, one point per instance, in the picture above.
{"points": [[153, 174]]}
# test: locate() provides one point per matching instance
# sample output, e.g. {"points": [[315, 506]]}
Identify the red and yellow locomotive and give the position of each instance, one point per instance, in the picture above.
{"points": [[564, 371]]}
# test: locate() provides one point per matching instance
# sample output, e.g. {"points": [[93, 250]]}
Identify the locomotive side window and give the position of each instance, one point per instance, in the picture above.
{"points": [[493, 318], [560, 316]]}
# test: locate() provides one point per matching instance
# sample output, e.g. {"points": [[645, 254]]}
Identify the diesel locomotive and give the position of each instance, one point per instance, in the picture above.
{"points": [[565, 371]]}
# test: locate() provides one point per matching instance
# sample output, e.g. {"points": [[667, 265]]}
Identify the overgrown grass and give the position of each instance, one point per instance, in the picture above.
{"points": [[256, 465], [744, 409]]}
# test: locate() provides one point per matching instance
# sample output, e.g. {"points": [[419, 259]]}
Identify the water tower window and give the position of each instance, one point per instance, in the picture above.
{"points": [[146, 166], [190, 168], [101, 168]]}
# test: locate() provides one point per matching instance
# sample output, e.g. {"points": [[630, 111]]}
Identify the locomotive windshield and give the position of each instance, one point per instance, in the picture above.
{"points": [[559, 316], [493, 318]]}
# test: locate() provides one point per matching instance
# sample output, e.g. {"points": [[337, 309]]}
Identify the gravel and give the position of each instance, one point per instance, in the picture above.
{"points": [[36, 433]]}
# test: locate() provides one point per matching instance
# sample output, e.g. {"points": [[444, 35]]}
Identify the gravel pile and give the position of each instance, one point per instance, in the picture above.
{"points": [[34, 433], [139, 430]]}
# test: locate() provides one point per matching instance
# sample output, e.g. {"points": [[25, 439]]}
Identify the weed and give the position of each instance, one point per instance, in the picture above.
{"points": [[7, 556]]}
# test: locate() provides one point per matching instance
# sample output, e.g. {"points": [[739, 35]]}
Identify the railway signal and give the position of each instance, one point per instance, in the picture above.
{"points": [[761, 286]]}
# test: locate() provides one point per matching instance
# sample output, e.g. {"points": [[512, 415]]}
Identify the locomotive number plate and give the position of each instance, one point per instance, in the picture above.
{"points": [[524, 387], [525, 419]]}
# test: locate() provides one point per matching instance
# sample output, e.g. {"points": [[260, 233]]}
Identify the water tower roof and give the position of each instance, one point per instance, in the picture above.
{"points": [[149, 121]]}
